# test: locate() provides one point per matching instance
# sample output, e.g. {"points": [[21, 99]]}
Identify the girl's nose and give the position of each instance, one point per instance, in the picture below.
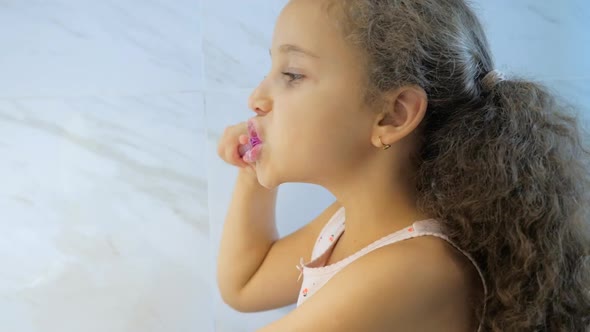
{"points": [[259, 103]]}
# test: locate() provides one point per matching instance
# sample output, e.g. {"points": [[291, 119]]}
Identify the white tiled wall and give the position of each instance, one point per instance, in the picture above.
{"points": [[112, 197]]}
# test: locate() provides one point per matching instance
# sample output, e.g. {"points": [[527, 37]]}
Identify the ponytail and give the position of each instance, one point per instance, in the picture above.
{"points": [[510, 181]]}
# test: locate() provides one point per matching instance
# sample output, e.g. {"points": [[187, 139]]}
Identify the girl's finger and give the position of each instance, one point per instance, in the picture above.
{"points": [[243, 139]]}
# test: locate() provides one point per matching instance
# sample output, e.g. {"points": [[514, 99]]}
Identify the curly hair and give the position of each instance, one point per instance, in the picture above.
{"points": [[504, 169]]}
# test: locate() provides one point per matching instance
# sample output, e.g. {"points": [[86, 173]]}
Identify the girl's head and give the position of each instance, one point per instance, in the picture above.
{"points": [[504, 169], [316, 119]]}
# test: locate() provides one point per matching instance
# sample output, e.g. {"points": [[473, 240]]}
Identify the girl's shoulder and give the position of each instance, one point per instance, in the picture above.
{"points": [[417, 284]]}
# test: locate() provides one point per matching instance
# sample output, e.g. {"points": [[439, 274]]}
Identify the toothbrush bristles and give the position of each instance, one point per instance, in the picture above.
{"points": [[254, 141]]}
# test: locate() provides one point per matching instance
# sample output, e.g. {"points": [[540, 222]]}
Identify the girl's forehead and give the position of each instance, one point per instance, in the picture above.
{"points": [[305, 23]]}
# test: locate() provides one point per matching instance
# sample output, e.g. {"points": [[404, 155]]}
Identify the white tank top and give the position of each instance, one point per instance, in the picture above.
{"points": [[316, 274]]}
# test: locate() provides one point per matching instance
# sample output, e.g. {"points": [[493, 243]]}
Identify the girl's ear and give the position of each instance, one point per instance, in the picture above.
{"points": [[403, 111]]}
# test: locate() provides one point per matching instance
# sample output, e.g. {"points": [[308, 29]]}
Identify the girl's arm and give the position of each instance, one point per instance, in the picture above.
{"points": [[256, 271]]}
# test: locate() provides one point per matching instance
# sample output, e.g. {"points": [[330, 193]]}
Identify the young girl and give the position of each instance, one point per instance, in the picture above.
{"points": [[461, 195]]}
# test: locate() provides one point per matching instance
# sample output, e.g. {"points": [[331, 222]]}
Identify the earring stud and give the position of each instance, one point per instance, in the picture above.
{"points": [[385, 146]]}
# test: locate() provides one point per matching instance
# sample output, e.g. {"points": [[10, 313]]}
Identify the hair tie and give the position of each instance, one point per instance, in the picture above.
{"points": [[491, 79]]}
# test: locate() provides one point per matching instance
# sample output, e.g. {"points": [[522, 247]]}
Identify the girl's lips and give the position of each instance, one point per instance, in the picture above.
{"points": [[254, 138]]}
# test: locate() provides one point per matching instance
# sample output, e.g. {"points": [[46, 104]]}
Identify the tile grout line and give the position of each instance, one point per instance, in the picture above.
{"points": [[204, 92]]}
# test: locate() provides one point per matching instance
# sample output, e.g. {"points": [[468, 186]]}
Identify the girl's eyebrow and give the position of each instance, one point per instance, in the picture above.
{"points": [[290, 48]]}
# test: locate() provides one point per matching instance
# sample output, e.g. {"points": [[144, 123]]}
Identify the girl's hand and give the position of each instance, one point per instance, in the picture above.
{"points": [[233, 145]]}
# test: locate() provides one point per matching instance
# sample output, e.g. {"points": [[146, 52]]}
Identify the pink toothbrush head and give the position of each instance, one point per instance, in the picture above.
{"points": [[253, 140]]}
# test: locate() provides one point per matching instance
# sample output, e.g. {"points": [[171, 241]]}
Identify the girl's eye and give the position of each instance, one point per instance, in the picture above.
{"points": [[293, 77]]}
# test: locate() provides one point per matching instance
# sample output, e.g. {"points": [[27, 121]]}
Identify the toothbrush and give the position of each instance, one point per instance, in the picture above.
{"points": [[253, 141], [243, 148]]}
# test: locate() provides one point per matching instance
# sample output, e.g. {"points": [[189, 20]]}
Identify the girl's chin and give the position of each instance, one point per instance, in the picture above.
{"points": [[266, 178], [266, 183]]}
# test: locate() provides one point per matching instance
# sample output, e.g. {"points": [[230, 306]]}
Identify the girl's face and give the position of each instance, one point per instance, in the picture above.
{"points": [[310, 111]]}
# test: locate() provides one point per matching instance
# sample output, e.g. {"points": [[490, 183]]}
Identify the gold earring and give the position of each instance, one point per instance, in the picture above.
{"points": [[385, 146]]}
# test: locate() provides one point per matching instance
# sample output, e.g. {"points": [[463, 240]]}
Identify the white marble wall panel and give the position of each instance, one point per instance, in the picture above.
{"points": [[103, 195], [99, 47], [543, 39], [236, 39], [104, 214]]}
